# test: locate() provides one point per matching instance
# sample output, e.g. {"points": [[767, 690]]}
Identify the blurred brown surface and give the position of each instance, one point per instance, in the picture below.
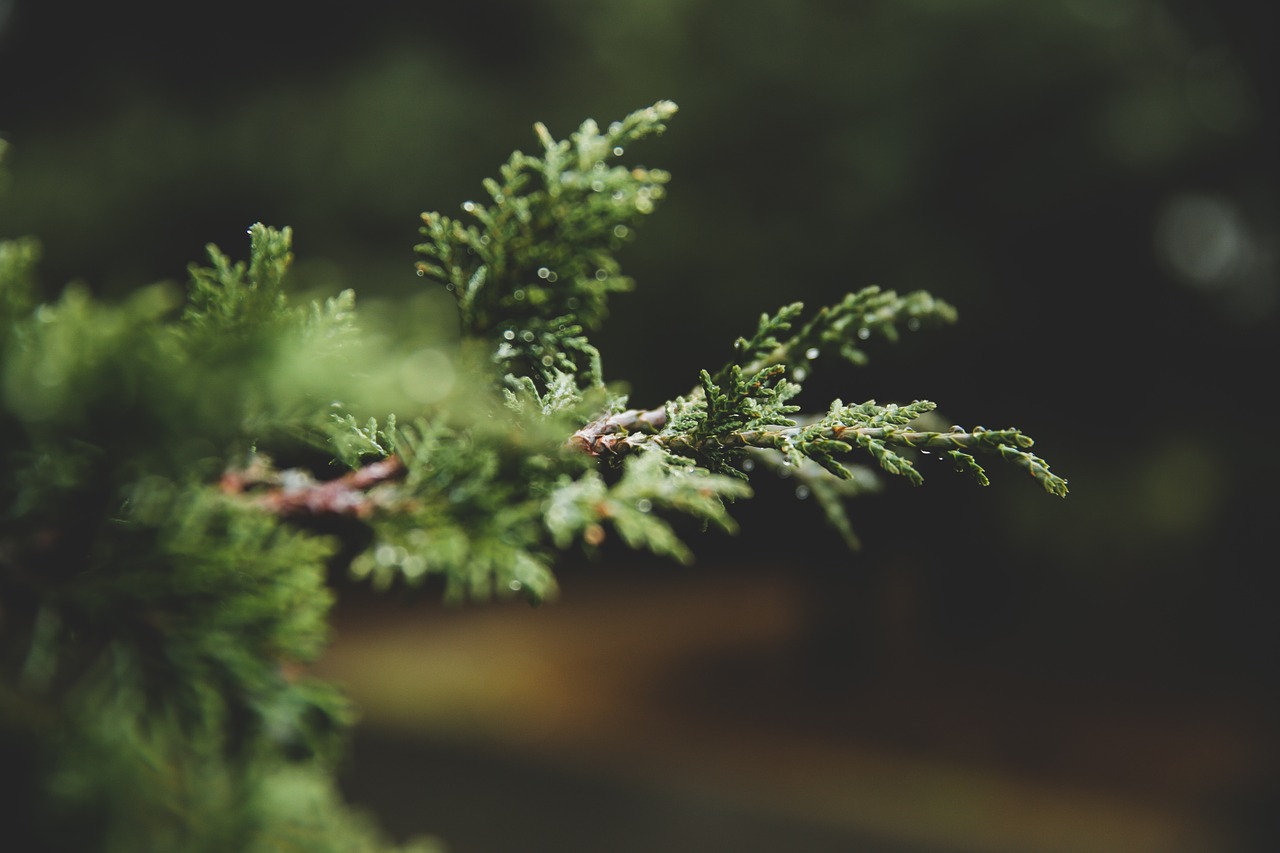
{"points": [[697, 686]]}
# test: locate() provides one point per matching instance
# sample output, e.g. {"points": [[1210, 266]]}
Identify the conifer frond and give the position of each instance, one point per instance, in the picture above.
{"points": [[532, 269], [231, 297], [332, 321], [354, 443], [881, 431], [861, 316], [764, 348], [652, 483], [841, 328]]}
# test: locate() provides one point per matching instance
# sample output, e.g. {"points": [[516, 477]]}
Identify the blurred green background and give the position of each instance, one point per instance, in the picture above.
{"points": [[1093, 184]]}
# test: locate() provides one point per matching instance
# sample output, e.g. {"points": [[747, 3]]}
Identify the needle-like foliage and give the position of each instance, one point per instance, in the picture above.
{"points": [[185, 470]]}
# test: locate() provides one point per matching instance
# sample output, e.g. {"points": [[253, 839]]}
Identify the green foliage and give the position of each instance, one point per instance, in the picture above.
{"points": [[153, 623], [740, 418], [533, 271], [651, 483], [18, 259], [229, 297], [185, 469]]}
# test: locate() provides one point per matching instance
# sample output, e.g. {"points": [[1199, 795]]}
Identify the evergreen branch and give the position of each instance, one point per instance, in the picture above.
{"points": [[728, 415], [533, 270], [877, 430]]}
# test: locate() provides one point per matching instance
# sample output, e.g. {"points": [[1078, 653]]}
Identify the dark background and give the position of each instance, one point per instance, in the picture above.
{"points": [[1093, 184]]}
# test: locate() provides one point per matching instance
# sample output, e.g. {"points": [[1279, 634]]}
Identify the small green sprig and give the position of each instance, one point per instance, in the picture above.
{"points": [[740, 405], [652, 483], [229, 296], [841, 328], [880, 431], [863, 316], [532, 270]]}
